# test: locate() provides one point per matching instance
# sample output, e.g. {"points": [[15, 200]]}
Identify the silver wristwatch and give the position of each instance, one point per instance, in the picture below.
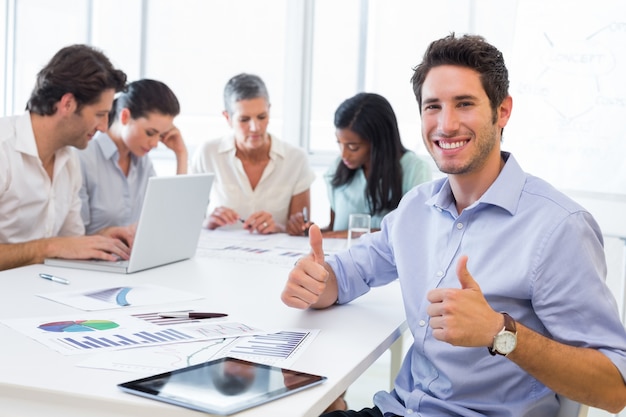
{"points": [[506, 340]]}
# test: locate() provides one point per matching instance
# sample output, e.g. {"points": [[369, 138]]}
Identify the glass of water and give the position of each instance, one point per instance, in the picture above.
{"points": [[358, 224]]}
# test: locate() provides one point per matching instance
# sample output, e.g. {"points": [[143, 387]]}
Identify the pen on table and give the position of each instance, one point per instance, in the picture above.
{"points": [[243, 221], [54, 278], [191, 315]]}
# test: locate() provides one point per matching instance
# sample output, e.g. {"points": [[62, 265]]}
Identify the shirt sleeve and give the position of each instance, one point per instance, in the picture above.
{"points": [[5, 169], [197, 165], [305, 175], [569, 293], [73, 225], [369, 263]]}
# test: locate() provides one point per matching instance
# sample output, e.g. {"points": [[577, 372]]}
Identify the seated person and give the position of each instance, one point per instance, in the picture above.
{"points": [[502, 275], [259, 179], [116, 165], [40, 175], [374, 169]]}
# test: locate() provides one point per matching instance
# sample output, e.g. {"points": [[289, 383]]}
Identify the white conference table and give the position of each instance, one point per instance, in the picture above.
{"points": [[36, 380]]}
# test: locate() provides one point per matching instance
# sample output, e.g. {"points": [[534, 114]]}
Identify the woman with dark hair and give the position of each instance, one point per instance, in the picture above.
{"points": [[115, 164], [374, 169]]}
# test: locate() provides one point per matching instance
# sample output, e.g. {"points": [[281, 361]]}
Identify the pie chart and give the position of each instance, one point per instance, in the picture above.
{"points": [[78, 326]]}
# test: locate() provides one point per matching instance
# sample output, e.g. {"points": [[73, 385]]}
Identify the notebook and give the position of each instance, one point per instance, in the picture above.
{"points": [[168, 228]]}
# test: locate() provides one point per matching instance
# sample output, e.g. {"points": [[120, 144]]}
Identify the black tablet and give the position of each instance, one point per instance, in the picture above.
{"points": [[222, 386]]}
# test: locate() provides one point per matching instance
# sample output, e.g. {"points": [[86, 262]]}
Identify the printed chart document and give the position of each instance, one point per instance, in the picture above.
{"points": [[121, 296], [96, 332], [242, 246], [281, 349]]}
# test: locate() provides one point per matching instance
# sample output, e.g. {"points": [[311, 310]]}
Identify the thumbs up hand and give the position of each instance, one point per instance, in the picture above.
{"points": [[311, 283], [316, 242], [462, 316]]}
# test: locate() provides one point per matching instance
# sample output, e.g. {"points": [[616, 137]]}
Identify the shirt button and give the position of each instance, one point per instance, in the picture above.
{"points": [[439, 274], [409, 411], [422, 323], [459, 226]]}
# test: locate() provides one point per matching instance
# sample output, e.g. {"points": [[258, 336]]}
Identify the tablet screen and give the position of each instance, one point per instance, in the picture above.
{"points": [[222, 386]]}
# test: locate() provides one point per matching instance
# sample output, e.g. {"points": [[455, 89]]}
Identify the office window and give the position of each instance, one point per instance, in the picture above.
{"points": [[41, 28], [196, 46], [335, 66], [373, 45], [116, 28], [6, 88]]}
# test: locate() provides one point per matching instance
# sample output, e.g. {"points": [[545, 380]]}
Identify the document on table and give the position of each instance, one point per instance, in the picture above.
{"points": [[281, 349], [243, 246], [96, 332], [121, 296]]}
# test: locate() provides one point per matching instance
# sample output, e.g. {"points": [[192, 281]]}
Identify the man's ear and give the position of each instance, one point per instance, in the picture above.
{"points": [[504, 111], [67, 104]]}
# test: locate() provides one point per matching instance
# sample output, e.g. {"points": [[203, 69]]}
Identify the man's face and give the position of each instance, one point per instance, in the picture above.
{"points": [[82, 124], [457, 120]]}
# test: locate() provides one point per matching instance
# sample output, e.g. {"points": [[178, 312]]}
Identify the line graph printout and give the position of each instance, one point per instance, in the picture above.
{"points": [[118, 297], [88, 334], [157, 359], [279, 349]]}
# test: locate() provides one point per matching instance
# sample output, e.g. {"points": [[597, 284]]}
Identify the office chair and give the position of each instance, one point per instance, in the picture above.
{"points": [[570, 408]]}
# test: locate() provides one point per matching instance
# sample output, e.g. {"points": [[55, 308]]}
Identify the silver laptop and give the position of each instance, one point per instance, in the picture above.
{"points": [[168, 229]]}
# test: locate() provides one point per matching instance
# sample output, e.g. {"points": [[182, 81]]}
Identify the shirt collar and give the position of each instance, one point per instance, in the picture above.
{"points": [[27, 144], [106, 145], [504, 192], [277, 148]]}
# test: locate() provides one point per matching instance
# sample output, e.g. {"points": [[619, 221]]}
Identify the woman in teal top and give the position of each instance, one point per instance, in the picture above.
{"points": [[374, 170], [350, 197]]}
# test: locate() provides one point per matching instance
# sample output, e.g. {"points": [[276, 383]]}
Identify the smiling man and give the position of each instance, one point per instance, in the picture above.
{"points": [[502, 275], [40, 175]]}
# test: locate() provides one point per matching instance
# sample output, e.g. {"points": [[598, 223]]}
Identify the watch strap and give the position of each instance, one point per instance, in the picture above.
{"points": [[510, 326]]}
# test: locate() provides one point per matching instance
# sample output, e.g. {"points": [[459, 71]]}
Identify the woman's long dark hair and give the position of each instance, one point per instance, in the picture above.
{"points": [[371, 117]]}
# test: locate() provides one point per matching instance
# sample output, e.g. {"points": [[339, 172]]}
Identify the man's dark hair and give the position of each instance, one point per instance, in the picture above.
{"points": [[470, 51], [81, 70]]}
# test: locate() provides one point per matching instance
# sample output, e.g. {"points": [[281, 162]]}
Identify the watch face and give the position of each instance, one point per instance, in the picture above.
{"points": [[505, 342]]}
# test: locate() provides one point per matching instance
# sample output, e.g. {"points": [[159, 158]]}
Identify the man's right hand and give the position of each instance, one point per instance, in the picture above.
{"points": [[87, 247], [310, 282], [124, 233]]}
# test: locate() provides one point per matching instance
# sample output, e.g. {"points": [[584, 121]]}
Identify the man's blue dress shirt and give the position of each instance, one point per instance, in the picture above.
{"points": [[536, 255]]}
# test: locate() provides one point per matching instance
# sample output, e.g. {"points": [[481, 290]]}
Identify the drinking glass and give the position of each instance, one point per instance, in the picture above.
{"points": [[358, 224]]}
